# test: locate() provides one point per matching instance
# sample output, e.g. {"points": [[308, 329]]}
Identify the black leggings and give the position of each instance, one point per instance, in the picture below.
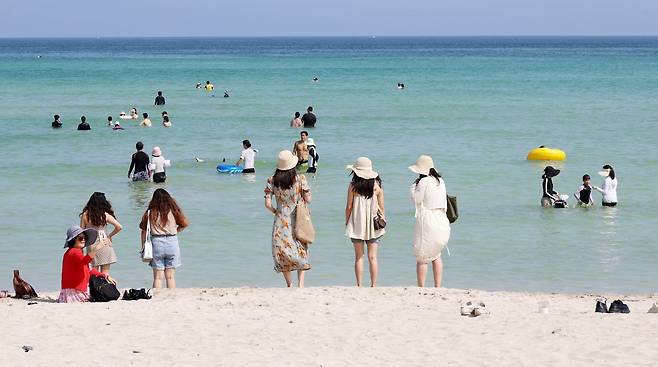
{"points": [[159, 177], [609, 204]]}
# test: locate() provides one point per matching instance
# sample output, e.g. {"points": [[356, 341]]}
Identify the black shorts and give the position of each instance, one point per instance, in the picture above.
{"points": [[311, 170], [249, 170], [609, 204], [159, 177]]}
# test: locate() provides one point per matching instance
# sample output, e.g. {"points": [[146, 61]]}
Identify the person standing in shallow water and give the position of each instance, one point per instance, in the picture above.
{"points": [[365, 200], [56, 124], [432, 228], [166, 220], [309, 118], [140, 163], [288, 189], [84, 125], [296, 121], [609, 187], [159, 99], [97, 214]]}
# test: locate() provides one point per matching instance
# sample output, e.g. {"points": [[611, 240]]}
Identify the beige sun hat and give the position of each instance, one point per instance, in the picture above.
{"points": [[286, 160], [362, 167], [423, 165], [156, 152]]}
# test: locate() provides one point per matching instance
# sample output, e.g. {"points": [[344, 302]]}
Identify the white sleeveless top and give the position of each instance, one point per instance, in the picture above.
{"points": [[361, 225]]}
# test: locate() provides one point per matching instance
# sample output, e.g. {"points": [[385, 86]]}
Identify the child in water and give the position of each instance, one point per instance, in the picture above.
{"points": [[584, 193]]}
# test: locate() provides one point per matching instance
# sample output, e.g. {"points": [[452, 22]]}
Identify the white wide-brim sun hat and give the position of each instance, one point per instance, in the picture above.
{"points": [[286, 160], [604, 172], [423, 165], [362, 167]]}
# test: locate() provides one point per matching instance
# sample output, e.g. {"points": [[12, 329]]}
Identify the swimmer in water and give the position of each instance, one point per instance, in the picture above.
{"points": [[56, 124], [147, 121], [209, 87], [226, 93], [400, 85], [109, 121], [198, 86], [133, 113], [165, 121], [117, 126], [315, 79]]}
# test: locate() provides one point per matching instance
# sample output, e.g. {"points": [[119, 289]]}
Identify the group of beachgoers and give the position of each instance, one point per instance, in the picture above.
{"points": [[89, 250], [144, 169], [210, 87], [583, 195], [307, 153], [116, 124], [307, 120]]}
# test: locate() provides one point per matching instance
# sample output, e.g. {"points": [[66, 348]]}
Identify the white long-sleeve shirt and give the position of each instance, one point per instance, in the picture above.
{"points": [[609, 190], [430, 193]]}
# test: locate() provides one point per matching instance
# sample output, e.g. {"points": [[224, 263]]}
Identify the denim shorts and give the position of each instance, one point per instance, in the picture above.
{"points": [[166, 252]]}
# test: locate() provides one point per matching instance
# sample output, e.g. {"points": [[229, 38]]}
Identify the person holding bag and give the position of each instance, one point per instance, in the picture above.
{"points": [[365, 216], [432, 228], [165, 220], [290, 191]]}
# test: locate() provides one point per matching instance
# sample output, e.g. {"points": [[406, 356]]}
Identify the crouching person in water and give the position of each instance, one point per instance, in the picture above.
{"points": [[550, 197], [75, 265]]}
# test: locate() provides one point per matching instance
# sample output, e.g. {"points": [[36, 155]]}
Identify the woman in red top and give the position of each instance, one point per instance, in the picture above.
{"points": [[75, 265]]}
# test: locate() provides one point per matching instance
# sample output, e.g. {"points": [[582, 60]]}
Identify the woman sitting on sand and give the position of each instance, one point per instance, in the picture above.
{"points": [[365, 201], [432, 229], [166, 221], [97, 214], [288, 189], [75, 265]]}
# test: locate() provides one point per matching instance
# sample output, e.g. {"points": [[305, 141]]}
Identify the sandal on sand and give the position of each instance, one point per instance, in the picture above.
{"points": [[601, 305], [654, 308], [618, 307], [480, 309], [467, 308]]}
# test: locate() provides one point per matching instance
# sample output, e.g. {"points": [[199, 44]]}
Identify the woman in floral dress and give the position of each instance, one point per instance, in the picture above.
{"points": [[288, 189]]}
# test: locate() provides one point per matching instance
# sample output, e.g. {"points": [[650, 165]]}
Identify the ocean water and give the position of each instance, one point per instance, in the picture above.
{"points": [[477, 105]]}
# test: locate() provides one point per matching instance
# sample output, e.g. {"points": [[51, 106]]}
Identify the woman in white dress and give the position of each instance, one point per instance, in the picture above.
{"points": [[432, 228], [609, 187]]}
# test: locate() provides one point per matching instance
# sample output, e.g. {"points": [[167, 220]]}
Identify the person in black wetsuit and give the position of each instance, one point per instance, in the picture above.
{"points": [[309, 118], [159, 100], [140, 162], [84, 125], [584, 193], [550, 197], [56, 124]]}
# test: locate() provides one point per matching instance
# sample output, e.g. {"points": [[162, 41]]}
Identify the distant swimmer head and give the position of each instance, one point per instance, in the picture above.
{"points": [[165, 118], [315, 79], [122, 113], [164, 113], [139, 145], [160, 93], [551, 171], [297, 114], [56, 117], [207, 81], [246, 144], [145, 115], [309, 109], [83, 118], [117, 124], [133, 111], [109, 118]]}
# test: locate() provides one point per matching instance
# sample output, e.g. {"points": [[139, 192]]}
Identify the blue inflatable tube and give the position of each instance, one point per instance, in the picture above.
{"points": [[229, 168]]}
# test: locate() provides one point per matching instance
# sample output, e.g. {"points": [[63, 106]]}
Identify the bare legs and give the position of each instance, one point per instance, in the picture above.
{"points": [[166, 274], [300, 278], [437, 270], [372, 262]]}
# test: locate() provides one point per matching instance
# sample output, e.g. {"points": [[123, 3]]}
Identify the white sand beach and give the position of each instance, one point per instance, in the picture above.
{"points": [[331, 326]]}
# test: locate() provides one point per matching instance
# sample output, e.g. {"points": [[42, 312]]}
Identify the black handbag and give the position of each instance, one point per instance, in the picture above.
{"points": [[452, 212], [100, 290], [379, 222]]}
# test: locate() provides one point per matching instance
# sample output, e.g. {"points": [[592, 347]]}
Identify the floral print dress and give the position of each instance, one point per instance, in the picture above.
{"points": [[288, 253]]}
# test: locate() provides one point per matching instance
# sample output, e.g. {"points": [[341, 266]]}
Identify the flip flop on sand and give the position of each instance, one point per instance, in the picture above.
{"points": [[467, 309], [480, 309], [654, 308]]}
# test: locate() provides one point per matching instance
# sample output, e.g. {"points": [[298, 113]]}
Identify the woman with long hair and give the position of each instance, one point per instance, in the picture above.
{"points": [[432, 228], [166, 221], [288, 189], [97, 214], [365, 201], [609, 187]]}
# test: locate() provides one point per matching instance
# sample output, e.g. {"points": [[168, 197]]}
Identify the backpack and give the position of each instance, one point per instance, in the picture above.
{"points": [[100, 290]]}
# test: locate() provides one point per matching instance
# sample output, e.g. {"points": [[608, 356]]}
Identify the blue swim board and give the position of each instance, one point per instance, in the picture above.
{"points": [[229, 168]]}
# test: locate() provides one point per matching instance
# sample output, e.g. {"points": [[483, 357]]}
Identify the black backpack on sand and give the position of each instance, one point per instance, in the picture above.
{"points": [[100, 290]]}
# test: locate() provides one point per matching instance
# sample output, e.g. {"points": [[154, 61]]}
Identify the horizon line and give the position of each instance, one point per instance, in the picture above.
{"points": [[337, 36]]}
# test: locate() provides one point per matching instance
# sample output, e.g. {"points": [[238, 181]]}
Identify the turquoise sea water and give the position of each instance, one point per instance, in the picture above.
{"points": [[477, 105]]}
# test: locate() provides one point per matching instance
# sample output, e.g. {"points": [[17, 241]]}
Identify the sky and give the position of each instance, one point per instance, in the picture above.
{"points": [[145, 18]]}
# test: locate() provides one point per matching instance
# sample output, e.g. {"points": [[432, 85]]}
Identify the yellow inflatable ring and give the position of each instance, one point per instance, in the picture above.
{"points": [[546, 154]]}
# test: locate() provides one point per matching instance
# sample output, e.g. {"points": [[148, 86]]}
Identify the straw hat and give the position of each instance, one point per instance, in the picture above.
{"points": [[286, 160], [423, 165], [362, 167], [156, 152]]}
